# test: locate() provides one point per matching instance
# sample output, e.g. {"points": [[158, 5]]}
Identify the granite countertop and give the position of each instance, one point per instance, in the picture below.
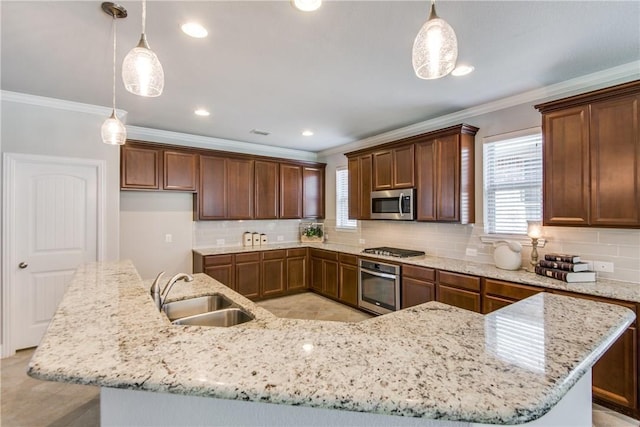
{"points": [[432, 360], [624, 291]]}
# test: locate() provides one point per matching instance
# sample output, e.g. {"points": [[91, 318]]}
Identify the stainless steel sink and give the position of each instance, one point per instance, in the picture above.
{"points": [[226, 317], [193, 306]]}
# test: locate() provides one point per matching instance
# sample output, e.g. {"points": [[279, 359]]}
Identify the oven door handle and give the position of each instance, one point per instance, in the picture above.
{"points": [[400, 204], [383, 275]]}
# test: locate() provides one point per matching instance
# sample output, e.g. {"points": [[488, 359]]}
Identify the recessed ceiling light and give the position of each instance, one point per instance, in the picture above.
{"points": [[462, 70], [307, 133], [202, 112], [306, 5], [194, 30]]}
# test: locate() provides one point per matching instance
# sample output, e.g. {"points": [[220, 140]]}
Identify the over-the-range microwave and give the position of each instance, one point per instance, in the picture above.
{"points": [[393, 204]]}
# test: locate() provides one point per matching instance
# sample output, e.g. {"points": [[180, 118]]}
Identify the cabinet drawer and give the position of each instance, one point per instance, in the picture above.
{"points": [[319, 253], [348, 259], [459, 298], [296, 252], [462, 281], [420, 273], [509, 290], [218, 260], [279, 254], [248, 257]]}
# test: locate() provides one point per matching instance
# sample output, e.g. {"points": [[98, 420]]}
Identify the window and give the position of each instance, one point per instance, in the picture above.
{"points": [[342, 200], [512, 181]]}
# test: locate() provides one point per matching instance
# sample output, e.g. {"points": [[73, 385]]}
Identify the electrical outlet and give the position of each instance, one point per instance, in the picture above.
{"points": [[605, 267], [280, 238], [220, 242], [168, 238], [361, 241], [472, 252]]}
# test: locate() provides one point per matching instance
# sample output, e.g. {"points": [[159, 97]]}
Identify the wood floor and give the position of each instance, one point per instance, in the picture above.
{"points": [[32, 403]]}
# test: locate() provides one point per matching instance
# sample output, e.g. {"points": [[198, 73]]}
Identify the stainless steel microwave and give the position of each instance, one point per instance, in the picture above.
{"points": [[393, 204]]}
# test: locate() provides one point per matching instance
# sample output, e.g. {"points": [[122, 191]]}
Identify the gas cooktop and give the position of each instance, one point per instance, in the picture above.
{"points": [[387, 251]]}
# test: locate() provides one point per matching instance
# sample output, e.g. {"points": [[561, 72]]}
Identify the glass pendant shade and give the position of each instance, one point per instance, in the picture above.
{"points": [[113, 131], [142, 72], [435, 49]]}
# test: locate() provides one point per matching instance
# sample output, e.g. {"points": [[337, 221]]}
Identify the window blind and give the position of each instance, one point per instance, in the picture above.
{"points": [[342, 199], [512, 182]]}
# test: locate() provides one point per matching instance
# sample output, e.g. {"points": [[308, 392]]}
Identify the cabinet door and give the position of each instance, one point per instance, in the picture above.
{"points": [[247, 274], [459, 298], [239, 188], [273, 273], [366, 186], [348, 291], [140, 168], [426, 169], [403, 161], [317, 279], [383, 170], [615, 375], [330, 277], [212, 195], [492, 303], [220, 267], [180, 171], [313, 192], [266, 189], [296, 273], [354, 187], [448, 179], [615, 162], [290, 191], [416, 292], [566, 167]]}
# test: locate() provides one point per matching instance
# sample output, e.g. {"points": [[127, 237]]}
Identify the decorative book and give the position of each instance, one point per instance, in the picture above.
{"points": [[562, 258], [566, 276], [566, 266]]}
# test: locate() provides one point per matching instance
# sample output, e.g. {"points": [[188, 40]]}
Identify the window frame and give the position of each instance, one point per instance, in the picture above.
{"points": [[343, 223]]}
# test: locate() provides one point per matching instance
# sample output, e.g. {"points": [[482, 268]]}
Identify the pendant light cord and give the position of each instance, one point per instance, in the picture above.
{"points": [[144, 16], [114, 64]]}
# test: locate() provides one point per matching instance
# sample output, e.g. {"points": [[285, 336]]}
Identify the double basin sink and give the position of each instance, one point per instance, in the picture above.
{"points": [[208, 310]]}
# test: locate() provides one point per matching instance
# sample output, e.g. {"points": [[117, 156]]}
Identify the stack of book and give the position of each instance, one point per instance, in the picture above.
{"points": [[565, 267]]}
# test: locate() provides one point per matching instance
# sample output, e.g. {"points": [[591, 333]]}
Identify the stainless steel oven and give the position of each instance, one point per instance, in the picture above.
{"points": [[379, 287], [393, 204]]}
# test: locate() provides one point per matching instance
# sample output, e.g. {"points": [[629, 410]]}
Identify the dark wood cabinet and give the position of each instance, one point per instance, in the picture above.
{"points": [[273, 273], [498, 294], [592, 158], [290, 191], [212, 194], [348, 279], [445, 176], [247, 274], [296, 269], [324, 272], [220, 267], [393, 168], [313, 192], [240, 195], [418, 285], [459, 290], [267, 179], [140, 167], [360, 186], [180, 171]]}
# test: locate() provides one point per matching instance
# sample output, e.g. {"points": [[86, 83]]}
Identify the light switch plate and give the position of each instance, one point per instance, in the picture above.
{"points": [[220, 242], [168, 238], [472, 252]]}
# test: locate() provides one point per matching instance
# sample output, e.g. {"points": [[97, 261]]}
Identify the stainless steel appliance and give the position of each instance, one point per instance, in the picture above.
{"points": [[379, 287], [393, 204]]}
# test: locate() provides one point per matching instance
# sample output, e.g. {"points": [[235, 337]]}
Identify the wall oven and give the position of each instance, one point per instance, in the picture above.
{"points": [[379, 287], [393, 204]]}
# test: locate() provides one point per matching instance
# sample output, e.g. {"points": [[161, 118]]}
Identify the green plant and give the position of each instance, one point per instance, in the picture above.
{"points": [[313, 231]]}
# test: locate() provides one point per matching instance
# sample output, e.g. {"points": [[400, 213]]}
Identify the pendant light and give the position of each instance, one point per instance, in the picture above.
{"points": [[113, 131], [435, 49], [142, 72]]}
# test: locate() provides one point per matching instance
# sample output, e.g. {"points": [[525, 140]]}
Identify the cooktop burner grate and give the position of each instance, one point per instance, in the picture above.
{"points": [[396, 252]]}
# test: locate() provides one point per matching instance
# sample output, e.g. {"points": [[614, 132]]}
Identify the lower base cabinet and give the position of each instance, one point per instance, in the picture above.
{"points": [[459, 290], [296, 270], [418, 285], [498, 294], [273, 273], [348, 281], [220, 267], [324, 272], [247, 274]]}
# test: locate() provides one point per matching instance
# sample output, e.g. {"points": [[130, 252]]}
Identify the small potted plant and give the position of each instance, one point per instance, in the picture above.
{"points": [[312, 232]]}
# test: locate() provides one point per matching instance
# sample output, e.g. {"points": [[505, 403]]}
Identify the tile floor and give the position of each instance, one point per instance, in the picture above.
{"points": [[26, 402]]}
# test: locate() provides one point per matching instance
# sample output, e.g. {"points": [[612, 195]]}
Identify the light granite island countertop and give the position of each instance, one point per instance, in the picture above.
{"points": [[429, 362]]}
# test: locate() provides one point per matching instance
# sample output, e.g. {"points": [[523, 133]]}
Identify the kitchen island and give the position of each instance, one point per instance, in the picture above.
{"points": [[431, 364]]}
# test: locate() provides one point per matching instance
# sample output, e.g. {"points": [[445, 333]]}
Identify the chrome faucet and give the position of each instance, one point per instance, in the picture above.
{"points": [[159, 297]]}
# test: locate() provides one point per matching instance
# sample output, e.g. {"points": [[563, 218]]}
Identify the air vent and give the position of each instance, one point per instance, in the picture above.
{"points": [[260, 132]]}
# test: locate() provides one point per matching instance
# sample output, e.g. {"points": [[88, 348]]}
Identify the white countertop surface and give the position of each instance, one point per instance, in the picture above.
{"points": [[623, 291], [432, 360]]}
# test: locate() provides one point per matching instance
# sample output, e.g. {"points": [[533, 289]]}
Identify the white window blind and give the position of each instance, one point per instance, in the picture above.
{"points": [[512, 181], [342, 199]]}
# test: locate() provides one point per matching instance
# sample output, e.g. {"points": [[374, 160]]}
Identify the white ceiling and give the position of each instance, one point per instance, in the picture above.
{"points": [[343, 71]]}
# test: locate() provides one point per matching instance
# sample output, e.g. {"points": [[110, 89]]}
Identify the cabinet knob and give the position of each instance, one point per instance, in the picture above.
{"points": [[23, 265]]}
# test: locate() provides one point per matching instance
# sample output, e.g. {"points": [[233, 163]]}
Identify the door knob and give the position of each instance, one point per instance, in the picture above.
{"points": [[23, 265]]}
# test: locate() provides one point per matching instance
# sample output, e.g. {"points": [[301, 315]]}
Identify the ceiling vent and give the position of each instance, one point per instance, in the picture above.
{"points": [[260, 132]]}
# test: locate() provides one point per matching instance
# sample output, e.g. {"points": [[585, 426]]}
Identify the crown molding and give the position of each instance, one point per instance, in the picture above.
{"points": [[60, 104], [189, 140], [597, 80]]}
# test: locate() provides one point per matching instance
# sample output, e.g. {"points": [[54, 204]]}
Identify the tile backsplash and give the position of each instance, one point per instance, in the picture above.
{"points": [[229, 233]]}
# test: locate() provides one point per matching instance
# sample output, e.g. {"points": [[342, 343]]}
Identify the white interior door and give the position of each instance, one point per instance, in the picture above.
{"points": [[55, 216]]}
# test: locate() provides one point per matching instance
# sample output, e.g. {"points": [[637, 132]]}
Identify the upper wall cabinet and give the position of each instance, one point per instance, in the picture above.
{"points": [[151, 167], [267, 179], [592, 158], [290, 191], [313, 192], [360, 186], [393, 168]]}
